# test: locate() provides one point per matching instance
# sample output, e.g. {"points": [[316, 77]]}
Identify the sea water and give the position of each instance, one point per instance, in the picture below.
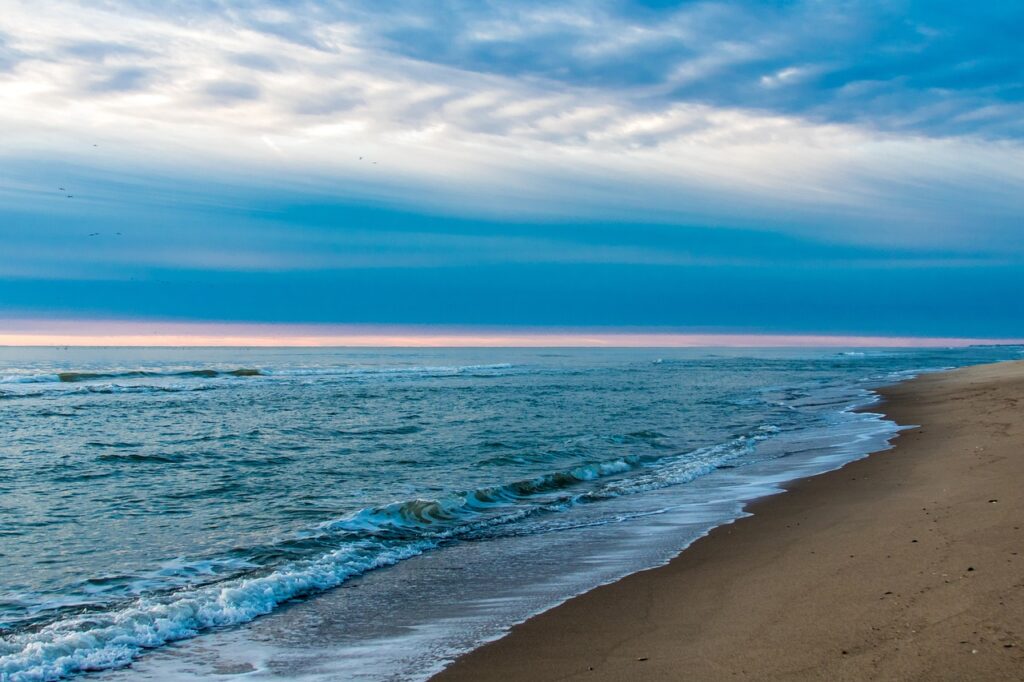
{"points": [[370, 514]]}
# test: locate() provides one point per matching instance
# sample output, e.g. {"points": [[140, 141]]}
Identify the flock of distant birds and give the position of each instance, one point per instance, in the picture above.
{"points": [[72, 196]]}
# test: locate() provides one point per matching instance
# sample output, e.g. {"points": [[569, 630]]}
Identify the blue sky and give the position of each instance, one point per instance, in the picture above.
{"points": [[820, 167]]}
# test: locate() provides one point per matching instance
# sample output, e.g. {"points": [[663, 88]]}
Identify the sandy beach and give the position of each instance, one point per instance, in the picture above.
{"points": [[908, 564]]}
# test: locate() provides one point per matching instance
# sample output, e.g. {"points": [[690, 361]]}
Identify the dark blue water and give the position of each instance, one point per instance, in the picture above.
{"points": [[148, 496]]}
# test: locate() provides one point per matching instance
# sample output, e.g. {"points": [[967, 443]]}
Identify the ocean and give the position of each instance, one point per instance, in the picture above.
{"points": [[325, 514]]}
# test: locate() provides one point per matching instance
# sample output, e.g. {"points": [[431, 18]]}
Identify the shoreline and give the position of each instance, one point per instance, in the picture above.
{"points": [[820, 582]]}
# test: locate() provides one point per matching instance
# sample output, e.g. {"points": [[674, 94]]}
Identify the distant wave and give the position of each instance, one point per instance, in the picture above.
{"points": [[82, 376], [77, 377], [106, 388], [386, 370], [367, 539], [132, 381]]}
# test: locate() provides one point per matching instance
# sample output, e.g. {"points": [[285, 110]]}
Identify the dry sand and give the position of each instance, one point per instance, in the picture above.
{"points": [[906, 565]]}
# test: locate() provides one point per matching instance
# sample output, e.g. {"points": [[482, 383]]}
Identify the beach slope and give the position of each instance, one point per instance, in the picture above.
{"points": [[908, 564]]}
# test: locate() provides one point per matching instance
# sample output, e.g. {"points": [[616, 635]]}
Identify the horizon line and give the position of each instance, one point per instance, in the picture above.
{"points": [[124, 333]]}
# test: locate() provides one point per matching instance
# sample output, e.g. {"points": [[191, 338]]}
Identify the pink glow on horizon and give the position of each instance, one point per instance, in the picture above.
{"points": [[122, 333]]}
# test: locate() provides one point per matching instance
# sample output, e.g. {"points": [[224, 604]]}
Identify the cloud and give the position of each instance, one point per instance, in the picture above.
{"points": [[797, 165], [9, 57], [888, 66], [127, 79], [255, 61], [100, 51], [327, 103], [905, 66], [231, 92], [856, 123], [899, 66]]}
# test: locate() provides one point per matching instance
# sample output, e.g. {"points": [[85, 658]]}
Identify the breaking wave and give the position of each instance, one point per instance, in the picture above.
{"points": [[371, 538]]}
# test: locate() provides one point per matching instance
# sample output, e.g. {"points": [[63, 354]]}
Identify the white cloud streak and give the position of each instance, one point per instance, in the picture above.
{"points": [[215, 96]]}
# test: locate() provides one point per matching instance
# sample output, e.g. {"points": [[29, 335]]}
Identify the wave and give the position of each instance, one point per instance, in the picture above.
{"points": [[466, 513], [241, 372], [77, 377], [136, 457], [99, 641], [440, 518], [357, 370], [367, 539], [142, 388], [106, 389]]}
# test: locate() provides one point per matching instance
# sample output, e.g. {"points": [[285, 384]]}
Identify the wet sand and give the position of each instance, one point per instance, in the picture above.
{"points": [[906, 565]]}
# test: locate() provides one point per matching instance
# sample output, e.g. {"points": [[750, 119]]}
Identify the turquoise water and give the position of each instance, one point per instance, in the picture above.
{"points": [[150, 496]]}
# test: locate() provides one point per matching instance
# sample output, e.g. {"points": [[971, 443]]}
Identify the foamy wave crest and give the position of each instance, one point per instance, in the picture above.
{"points": [[685, 468], [460, 512], [466, 512], [98, 641], [29, 378]]}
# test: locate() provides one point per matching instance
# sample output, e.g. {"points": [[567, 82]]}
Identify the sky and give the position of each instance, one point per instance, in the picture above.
{"points": [[616, 166]]}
